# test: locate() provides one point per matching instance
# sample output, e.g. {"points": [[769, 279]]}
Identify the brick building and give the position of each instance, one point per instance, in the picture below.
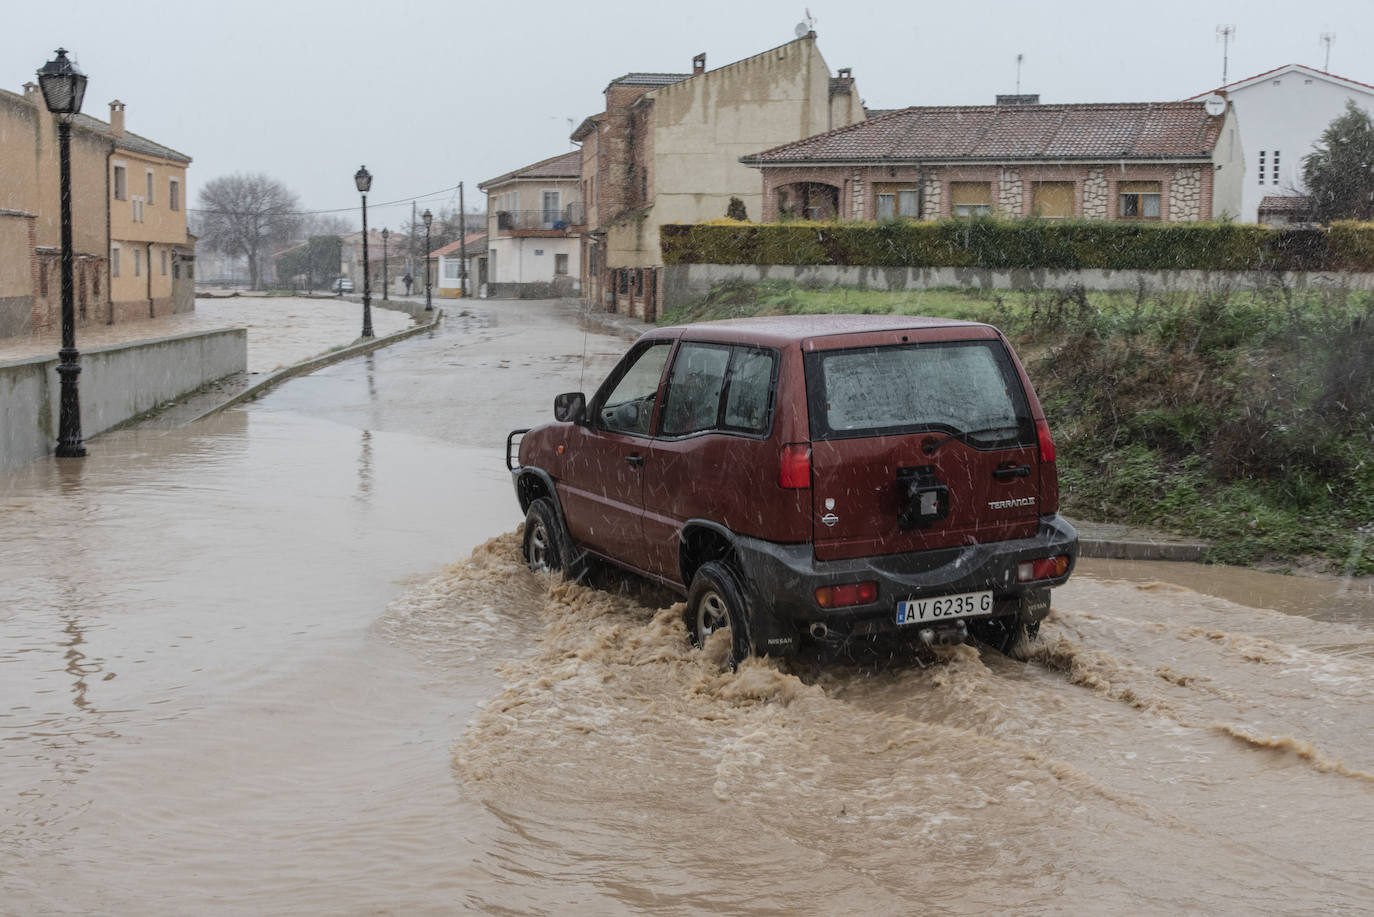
{"points": [[666, 149], [1169, 161]]}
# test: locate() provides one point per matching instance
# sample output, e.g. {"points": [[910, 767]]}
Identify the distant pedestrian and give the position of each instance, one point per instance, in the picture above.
{"points": [[407, 280]]}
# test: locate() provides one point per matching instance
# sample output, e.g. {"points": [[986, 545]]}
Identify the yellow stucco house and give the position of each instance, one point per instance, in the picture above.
{"points": [[133, 256]]}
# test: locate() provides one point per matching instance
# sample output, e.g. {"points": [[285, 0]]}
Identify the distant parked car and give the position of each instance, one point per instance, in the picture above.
{"points": [[822, 477], [343, 285]]}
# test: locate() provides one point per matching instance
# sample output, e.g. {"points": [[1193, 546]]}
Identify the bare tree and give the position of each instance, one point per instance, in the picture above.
{"points": [[324, 224], [247, 214]]}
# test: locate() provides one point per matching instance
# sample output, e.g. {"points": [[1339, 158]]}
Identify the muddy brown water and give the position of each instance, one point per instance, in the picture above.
{"points": [[289, 662]]}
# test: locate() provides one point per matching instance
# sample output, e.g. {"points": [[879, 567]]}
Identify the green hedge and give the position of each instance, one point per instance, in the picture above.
{"points": [[1025, 244]]}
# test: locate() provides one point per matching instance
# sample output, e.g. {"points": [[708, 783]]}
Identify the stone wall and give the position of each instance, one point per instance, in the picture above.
{"points": [[683, 283], [1095, 195], [116, 384], [1010, 195], [1185, 196]]}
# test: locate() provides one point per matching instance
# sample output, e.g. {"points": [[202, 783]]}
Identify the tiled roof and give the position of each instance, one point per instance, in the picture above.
{"points": [[1143, 130], [649, 79], [132, 142], [1286, 203], [476, 242], [564, 165]]}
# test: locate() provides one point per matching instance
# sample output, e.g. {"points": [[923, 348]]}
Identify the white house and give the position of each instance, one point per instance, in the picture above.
{"points": [[1281, 114], [446, 265], [533, 214]]}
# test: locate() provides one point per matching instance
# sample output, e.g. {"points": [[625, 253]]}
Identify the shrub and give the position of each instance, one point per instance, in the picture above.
{"points": [[1028, 244]]}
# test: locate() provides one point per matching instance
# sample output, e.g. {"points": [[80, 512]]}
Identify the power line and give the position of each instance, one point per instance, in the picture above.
{"points": [[306, 213]]}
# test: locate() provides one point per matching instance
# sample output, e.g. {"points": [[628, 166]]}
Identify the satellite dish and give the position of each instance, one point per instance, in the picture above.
{"points": [[801, 29], [1214, 105]]}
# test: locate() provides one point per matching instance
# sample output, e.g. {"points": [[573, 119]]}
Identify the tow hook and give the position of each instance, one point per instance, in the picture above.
{"points": [[950, 634], [819, 630]]}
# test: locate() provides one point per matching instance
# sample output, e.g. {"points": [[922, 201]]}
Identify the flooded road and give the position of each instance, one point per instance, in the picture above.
{"points": [[288, 661]]}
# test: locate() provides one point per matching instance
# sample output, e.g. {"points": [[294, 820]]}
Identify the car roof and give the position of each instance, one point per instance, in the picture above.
{"points": [[781, 330]]}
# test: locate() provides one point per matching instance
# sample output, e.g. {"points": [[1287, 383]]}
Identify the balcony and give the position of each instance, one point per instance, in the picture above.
{"points": [[540, 222]]}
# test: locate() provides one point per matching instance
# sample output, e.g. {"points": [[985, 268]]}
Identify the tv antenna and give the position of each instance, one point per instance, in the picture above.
{"points": [[806, 25], [1328, 39], [1225, 34]]}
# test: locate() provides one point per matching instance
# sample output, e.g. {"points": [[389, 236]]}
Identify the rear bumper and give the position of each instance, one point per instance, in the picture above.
{"points": [[784, 580]]}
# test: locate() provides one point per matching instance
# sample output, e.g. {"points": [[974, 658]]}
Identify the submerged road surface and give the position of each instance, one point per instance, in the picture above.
{"points": [[256, 666]]}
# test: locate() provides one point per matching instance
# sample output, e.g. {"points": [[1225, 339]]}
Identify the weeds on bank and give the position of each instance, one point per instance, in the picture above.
{"points": [[1246, 418]]}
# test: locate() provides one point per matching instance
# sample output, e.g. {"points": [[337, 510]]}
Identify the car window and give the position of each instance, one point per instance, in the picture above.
{"points": [[694, 386], [630, 405], [749, 387], [963, 387]]}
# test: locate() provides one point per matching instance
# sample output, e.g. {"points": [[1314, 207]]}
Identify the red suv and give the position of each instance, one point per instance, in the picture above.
{"points": [[833, 477]]}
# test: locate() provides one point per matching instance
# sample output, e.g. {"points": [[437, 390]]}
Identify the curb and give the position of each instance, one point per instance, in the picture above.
{"points": [[309, 366], [1190, 552]]}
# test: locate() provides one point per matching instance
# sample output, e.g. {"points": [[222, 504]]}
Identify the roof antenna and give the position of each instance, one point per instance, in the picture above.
{"points": [[806, 25], [1019, 59], [1225, 35], [1328, 39]]}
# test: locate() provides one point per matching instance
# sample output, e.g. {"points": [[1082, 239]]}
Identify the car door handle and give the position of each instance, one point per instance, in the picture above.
{"points": [[1007, 472], [634, 458]]}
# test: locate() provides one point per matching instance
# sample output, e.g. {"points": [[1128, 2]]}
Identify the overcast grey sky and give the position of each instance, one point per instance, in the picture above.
{"points": [[429, 93]]}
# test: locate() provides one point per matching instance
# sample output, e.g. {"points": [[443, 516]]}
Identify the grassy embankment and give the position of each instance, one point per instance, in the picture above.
{"points": [[1244, 418]]}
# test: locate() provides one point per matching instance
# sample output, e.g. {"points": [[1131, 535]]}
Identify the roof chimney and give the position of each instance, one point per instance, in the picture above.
{"points": [[699, 63], [31, 92], [116, 118]]}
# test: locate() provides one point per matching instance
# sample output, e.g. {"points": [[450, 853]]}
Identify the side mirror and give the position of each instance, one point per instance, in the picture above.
{"points": [[570, 407]]}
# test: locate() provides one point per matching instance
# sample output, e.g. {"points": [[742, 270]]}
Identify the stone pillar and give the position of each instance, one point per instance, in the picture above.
{"points": [[1185, 195], [1095, 195]]}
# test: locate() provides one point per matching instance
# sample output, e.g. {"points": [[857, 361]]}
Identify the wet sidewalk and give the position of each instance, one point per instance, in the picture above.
{"points": [[282, 330]]}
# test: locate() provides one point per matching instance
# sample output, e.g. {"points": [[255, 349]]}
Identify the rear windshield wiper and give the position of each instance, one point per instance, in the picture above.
{"points": [[930, 446]]}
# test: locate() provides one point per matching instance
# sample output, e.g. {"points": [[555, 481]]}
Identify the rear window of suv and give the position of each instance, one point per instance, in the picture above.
{"points": [[966, 388]]}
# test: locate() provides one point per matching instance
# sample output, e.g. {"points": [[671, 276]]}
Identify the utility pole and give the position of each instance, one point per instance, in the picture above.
{"points": [[462, 246], [1225, 34], [411, 270]]}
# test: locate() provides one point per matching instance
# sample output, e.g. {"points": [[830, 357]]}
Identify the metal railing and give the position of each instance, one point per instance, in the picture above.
{"points": [[519, 220]]}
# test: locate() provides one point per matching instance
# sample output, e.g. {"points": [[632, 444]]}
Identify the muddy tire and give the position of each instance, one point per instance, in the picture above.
{"points": [[546, 545], [1009, 635], [714, 602]]}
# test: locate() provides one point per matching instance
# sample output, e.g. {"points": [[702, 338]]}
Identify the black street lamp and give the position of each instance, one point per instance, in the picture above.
{"points": [[386, 250], [363, 178], [63, 89], [428, 218]]}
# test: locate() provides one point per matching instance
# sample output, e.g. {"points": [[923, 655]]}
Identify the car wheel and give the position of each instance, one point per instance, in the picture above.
{"points": [[1009, 635], [714, 603], [546, 544]]}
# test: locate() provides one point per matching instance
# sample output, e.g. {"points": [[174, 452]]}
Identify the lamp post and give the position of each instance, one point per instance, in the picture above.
{"points": [[386, 250], [363, 179], [63, 89], [428, 218]]}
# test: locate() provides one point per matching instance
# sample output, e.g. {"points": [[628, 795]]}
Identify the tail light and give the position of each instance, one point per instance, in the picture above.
{"points": [[1042, 432], [794, 471], [1029, 571], [847, 594]]}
